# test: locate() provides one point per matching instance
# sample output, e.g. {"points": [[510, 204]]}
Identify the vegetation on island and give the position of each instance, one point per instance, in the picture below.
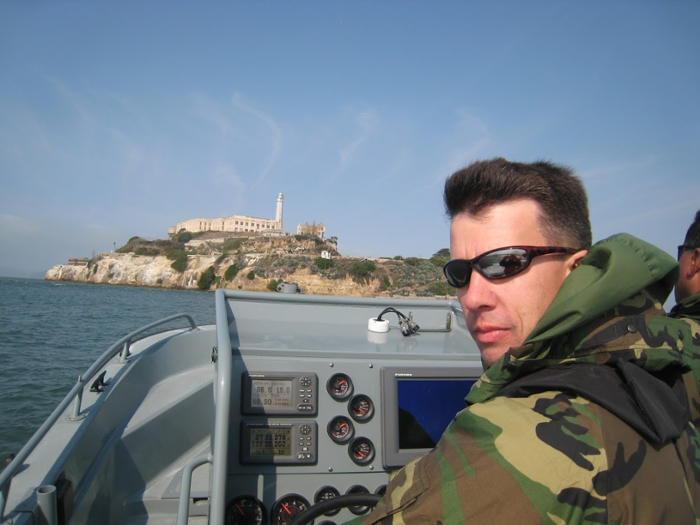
{"points": [[273, 259]]}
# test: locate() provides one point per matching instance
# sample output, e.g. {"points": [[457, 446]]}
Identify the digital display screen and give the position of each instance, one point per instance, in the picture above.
{"points": [[271, 393], [427, 407], [270, 442]]}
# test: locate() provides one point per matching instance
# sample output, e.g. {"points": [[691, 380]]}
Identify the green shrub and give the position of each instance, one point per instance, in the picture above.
{"points": [[179, 262], [440, 288], [323, 264], [173, 255], [362, 268], [231, 272], [206, 279], [251, 275], [272, 285], [232, 244], [440, 257], [184, 236], [386, 283]]}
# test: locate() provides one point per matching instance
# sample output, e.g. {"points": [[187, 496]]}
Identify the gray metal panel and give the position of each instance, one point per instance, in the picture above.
{"points": [[281, 333]]}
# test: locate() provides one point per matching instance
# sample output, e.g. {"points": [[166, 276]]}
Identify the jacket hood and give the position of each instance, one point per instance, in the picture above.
{"points": [[605, 337], [614, 269], [618, 269]]}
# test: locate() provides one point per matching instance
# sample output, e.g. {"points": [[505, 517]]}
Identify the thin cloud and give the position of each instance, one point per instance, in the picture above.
{"points": [[275, 133], [467, 142], [226, 176], [366, 121], [617, 168], [12, 226]]}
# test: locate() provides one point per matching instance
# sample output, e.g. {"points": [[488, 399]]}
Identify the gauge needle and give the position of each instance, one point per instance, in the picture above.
{"points": [[286, 509]]}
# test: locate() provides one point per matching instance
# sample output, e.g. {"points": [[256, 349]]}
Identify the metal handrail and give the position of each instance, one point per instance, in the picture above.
{"points": [[183, 508], [9, 472], [224, 372]]}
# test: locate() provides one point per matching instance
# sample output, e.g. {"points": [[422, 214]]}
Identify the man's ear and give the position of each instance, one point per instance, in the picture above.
{"points": [[576, 259], [694, 266]]}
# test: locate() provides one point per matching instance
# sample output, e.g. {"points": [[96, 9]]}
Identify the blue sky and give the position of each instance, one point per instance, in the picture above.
{"points": [[122, 118]]}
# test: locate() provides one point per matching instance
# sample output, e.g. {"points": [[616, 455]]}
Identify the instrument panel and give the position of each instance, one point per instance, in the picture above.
{"points": [[290, 457]]}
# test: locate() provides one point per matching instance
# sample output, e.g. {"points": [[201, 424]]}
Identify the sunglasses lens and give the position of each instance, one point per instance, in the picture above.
{"points": [[504, 263], [457, 273]]}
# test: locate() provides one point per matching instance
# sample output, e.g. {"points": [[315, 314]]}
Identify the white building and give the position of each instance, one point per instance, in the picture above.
{"points": [[234, 223]]}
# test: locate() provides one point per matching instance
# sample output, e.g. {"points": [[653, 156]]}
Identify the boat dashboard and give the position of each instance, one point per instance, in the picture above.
{"points": [[322, 405]]}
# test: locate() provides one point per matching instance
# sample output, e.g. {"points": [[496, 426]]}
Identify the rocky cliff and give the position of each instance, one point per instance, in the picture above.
{"points": [[258, 265], [156, 271]]}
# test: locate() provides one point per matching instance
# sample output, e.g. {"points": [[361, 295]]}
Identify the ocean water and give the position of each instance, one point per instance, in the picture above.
{"points": [[50, 333]]}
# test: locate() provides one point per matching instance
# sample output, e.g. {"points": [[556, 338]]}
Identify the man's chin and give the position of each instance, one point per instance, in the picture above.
{"points": [[491, 353]]}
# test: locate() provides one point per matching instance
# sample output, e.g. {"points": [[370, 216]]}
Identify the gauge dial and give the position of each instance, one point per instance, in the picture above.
{"points": [[341, 429], [357, 509], [339, 386], [326, 493], [288, 508], [245, 510], [361, 450], [361, 408]]}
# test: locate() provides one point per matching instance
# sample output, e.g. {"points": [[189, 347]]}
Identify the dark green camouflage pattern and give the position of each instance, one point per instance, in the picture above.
{"points": [[689, 311], [556, 457]]}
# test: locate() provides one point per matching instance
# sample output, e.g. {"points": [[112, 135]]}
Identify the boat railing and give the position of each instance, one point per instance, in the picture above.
{"points": [[120, 346], [224, 365]]}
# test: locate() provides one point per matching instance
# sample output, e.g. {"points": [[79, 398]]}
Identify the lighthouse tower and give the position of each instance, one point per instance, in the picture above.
{"points": [[278, 215]]}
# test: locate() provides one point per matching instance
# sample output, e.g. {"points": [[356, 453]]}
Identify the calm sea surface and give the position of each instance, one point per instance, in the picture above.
{"points": [[51, 332]]}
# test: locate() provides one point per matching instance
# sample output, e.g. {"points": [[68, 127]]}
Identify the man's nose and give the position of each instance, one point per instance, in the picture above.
{"points": [[478, 294]]}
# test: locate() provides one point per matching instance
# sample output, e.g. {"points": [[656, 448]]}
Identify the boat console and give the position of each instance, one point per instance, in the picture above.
{"points": [[321, 405]]}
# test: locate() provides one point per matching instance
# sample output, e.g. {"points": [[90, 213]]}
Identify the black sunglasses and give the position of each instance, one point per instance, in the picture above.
{"points": [[682, 248], [497, 264]]}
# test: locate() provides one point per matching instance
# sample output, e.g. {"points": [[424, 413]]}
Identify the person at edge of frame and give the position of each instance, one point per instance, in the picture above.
{"points": [[687, 290], [581, 415]]}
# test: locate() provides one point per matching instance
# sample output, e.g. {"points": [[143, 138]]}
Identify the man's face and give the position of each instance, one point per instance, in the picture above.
{"points": [[502, 313]]}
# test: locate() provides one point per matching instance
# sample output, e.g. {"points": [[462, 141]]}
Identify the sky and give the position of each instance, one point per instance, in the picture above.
{"points": [[123, 118]]}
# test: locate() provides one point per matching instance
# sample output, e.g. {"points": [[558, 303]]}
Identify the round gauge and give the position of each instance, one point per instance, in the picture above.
{"points": [[287, 508], [355, 509], [341, 429], [381, 490], [361, 407], [325, 493], [339, 386], [245, 510], [361, 450]]}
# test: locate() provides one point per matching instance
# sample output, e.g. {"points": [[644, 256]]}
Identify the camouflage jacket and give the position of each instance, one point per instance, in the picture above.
{"points": [[688, 308], [588, 422]]}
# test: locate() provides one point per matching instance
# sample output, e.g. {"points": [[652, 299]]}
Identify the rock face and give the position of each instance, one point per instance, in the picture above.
{"points": [[256, 263], [133, 270], [156, 271]]}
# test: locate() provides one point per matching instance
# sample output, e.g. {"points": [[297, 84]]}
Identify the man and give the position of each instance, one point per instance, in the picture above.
{"points": [[688, 286], [581, 415]]}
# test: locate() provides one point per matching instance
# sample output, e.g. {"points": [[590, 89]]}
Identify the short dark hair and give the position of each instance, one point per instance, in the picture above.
{"points": [[692, 238], [559, 193]]}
